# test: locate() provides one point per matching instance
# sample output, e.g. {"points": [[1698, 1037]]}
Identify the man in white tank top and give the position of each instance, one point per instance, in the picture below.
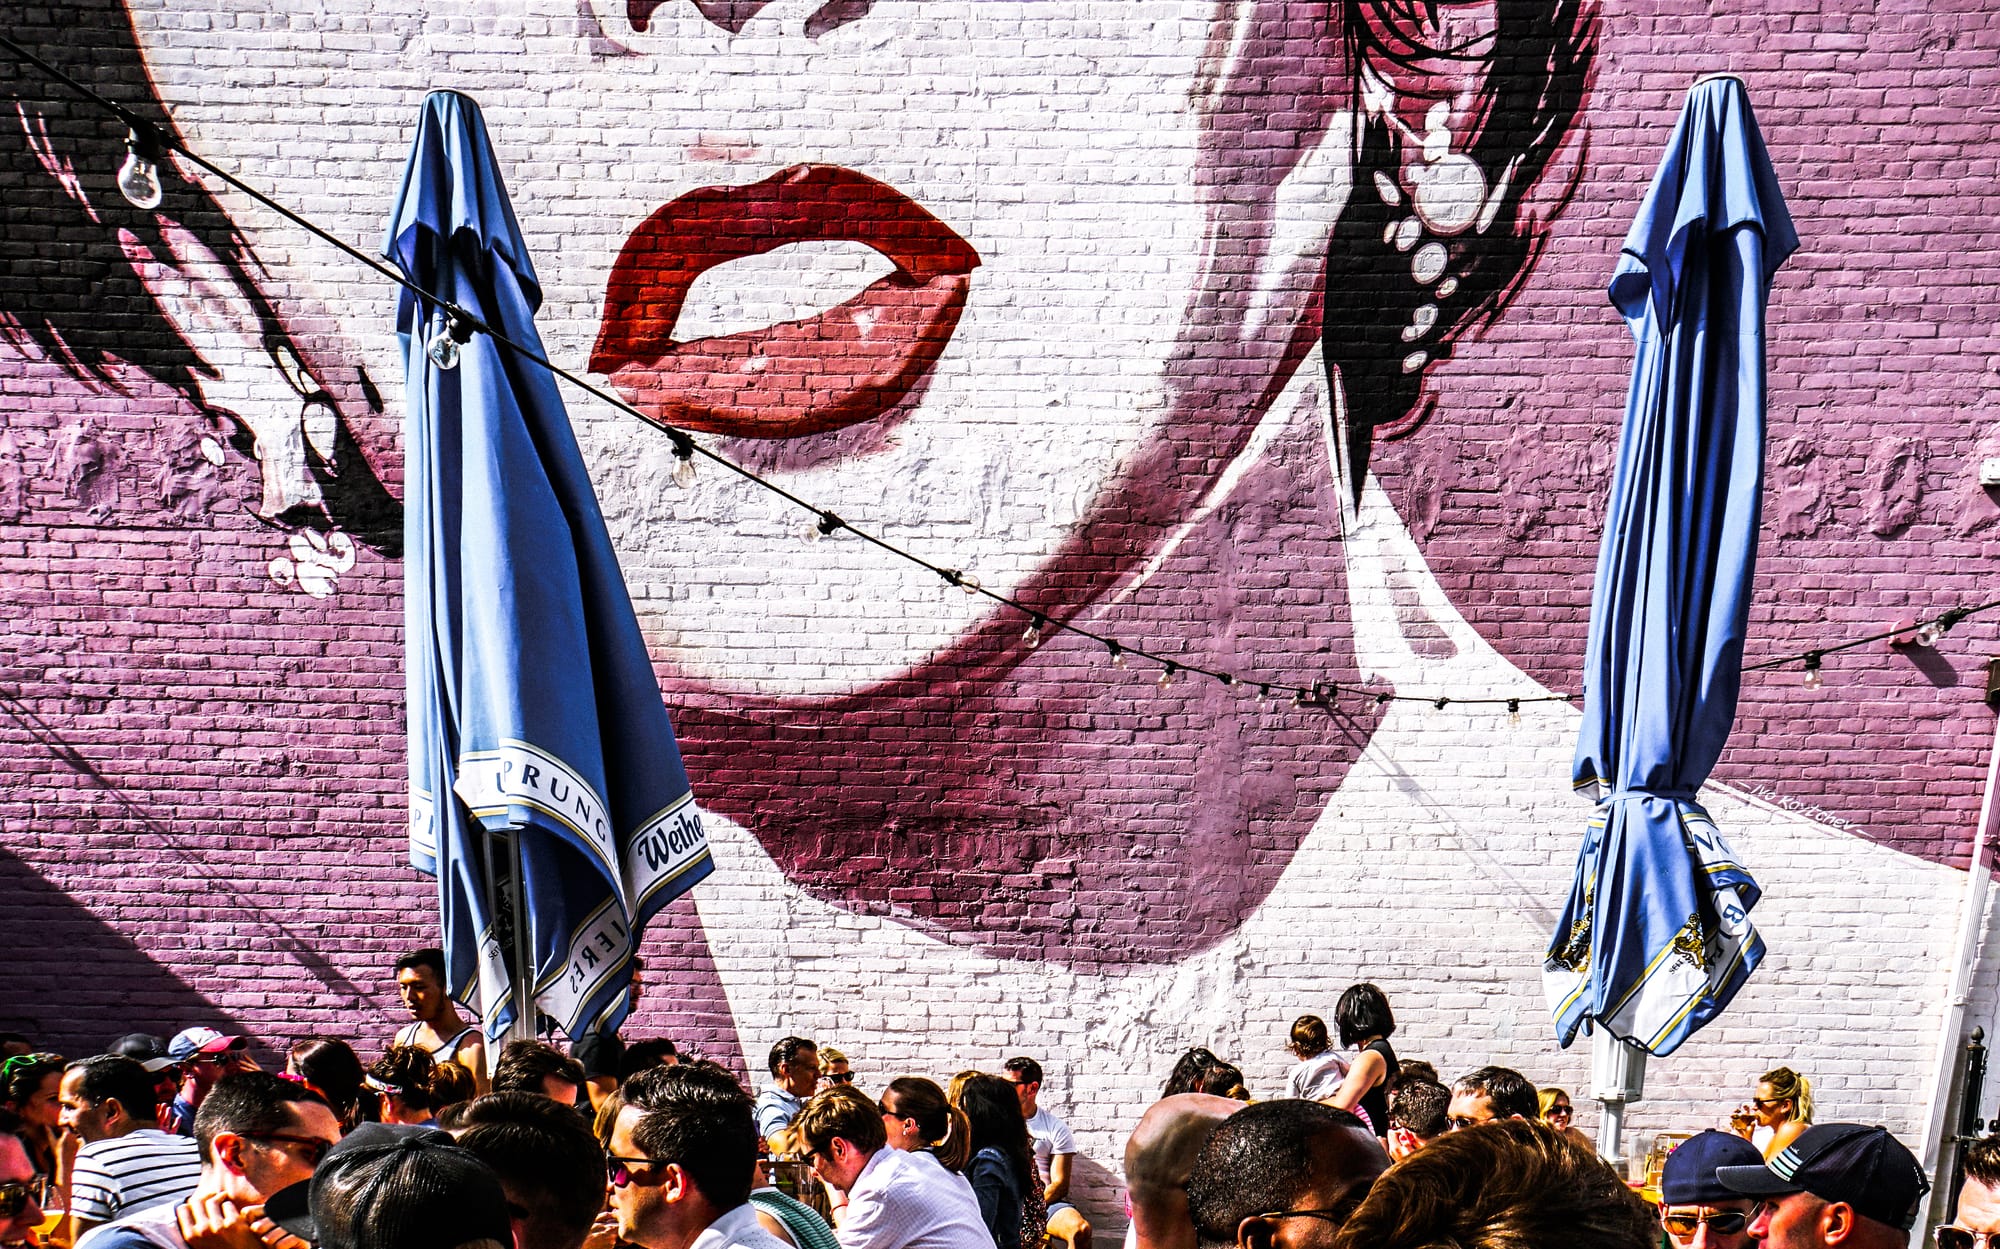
{"points": [[437, 1026]]}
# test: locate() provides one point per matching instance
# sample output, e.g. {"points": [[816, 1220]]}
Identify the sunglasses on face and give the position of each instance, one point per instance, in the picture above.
{"points": [[619, 1168], [1561, 1112], [1724, 1222], [15, 1196], [1765, 1103], [311, 1148], [1959, 1238], [840, 1077]]}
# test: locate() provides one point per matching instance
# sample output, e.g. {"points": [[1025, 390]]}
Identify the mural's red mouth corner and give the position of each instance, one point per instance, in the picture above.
{"points": [[848, 364]]}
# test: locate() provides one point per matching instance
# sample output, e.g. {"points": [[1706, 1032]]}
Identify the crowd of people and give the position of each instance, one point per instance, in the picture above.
{"points": [[186, 1144]]}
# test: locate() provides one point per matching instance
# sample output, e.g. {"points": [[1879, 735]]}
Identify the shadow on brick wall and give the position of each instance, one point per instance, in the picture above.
{"points": [[73, 984]]}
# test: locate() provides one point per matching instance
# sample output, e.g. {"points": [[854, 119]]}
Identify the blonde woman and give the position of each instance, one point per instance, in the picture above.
{"points": [[1778, 1113], [1558, 1112]]}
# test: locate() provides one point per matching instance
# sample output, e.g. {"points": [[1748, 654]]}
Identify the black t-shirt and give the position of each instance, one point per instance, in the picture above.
{"points": [[1376, 1100], [601, 1053]]}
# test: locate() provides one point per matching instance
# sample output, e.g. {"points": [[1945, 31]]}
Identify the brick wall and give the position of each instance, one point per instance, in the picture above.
{"points": [[939, 846]]}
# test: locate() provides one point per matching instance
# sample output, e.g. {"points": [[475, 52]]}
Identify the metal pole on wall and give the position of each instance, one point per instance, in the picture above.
{"points": [[1971, 928]]}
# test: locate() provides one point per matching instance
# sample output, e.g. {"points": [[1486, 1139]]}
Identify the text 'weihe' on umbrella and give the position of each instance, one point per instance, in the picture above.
{"points": [[1656, 936], [547, 793]]}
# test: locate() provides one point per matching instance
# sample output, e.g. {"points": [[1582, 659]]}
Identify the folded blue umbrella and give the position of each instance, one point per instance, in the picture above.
{"points": [[534, 712], [1656, 936]]}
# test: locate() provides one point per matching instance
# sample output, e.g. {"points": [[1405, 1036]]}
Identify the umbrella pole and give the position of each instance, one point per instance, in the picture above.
{"points": [[1617, 1078], [520, 961]]}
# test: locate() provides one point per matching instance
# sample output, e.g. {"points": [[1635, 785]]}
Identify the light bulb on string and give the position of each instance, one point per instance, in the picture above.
{"points": [[443, 346], [684, 452], [139, 176], [1263, 695], [1167, 674], [1117, 654], [1514, 712], [968, 583], [1928, 633], [1442, 703], [1813, 678], [1031, 637]]}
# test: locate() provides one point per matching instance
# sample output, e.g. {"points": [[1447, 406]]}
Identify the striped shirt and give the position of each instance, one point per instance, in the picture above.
{"points": [[808, 1229], [140, 1169]]}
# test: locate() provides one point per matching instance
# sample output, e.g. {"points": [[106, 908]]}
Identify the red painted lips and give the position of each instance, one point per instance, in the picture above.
{"points": [[846, 365]]}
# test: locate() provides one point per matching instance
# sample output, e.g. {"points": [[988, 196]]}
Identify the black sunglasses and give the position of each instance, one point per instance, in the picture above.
{"points": [[619, 1168], [1959, 1238], [840, 1077], [1725, 1222]]}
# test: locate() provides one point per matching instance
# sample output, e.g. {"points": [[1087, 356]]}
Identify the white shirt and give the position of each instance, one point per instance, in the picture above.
{"points": [[898, 1202], [1052, 1137], [739, 1229], [1317, 1077]]}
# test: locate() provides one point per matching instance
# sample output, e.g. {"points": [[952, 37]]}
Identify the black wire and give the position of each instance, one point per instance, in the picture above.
{"points": [[1314, 694]]}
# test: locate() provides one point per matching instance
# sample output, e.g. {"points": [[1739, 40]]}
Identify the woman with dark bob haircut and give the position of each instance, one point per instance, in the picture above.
{"points": [[1366, 1024]]}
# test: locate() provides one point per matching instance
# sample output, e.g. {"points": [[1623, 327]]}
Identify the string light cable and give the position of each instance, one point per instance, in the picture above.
{"points": [[138, 180]]}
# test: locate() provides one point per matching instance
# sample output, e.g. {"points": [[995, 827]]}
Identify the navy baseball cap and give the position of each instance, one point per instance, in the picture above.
{"points": [[1688, 1179], [1859, 1166]]}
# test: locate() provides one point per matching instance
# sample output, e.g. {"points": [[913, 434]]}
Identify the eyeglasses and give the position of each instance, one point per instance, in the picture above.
{"points": [[1765, 1103], [1959, 1238], [1560, 1112], [1724, 1222], [15, 1196], [619, 1168], [312, 1148], [1336, 1215], [840, 1077]]}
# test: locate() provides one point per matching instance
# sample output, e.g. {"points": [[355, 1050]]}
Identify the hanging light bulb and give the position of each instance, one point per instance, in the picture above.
{"points": [[829, 524], [968, 583], [1031, 637], [684, 473], [443, 349], [139, 176], [1929, 633], [1263, 695], [1514, 712], [1442, 703], [1813, 678], [1117, 654], [1167, 675]]}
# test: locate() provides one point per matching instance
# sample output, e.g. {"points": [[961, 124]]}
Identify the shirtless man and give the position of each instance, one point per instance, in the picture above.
{"points": [[438, 1026]]}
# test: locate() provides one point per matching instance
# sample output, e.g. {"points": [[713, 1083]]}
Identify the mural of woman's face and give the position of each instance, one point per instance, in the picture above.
{"points": [[942, 350], [1029, 288]]}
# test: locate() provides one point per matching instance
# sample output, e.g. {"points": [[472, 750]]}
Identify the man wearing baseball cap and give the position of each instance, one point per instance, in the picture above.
{"points": [[1838, 1184], [1697, 1211], [394, 1186], [203, 1056]]}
